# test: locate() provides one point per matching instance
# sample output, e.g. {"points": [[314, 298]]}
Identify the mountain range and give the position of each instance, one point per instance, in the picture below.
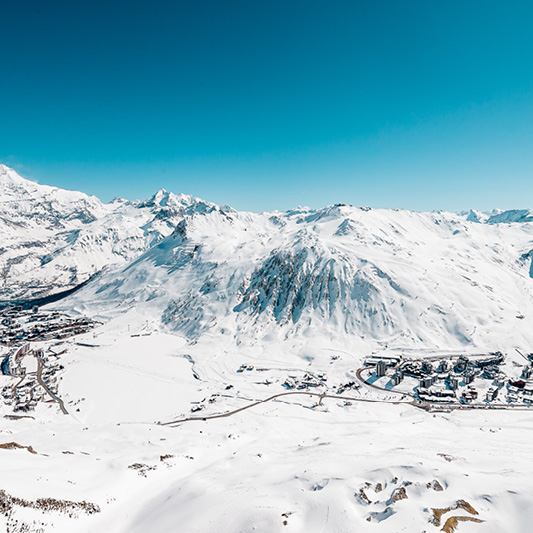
{"points": [[395, 277], [223, 382]]}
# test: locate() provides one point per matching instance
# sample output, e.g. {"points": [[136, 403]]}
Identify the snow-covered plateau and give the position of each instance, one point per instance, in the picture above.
{"points": [[225, 371]]}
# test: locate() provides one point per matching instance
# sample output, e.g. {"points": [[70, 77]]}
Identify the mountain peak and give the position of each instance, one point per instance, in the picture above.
{"points": [[510, 216], [13, 186], [7, 174], [161, 197]]}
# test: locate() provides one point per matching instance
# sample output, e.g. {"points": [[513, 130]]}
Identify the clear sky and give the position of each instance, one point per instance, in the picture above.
{"points": [[272, 104]]}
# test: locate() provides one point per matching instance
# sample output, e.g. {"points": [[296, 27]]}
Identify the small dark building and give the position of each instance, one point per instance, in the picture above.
{"points": [[492, 393], [519, 383], [425, 383]]}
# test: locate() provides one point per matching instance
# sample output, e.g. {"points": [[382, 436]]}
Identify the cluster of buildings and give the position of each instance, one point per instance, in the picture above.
{"points": [[350, 385], [450, 379], [521, 390], [11, 362], [24, 394], [306, 382], [18, 326], [23, 397], [244, 367], [36, 374]]}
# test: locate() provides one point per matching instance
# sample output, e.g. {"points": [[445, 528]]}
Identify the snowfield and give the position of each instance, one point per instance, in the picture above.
{"points": [[206, 310]]}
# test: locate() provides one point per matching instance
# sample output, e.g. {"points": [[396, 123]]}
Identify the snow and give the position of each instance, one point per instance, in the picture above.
{"points": [[189, 292], [377, 278], [56, 239], [127, 371], [245, 472]]}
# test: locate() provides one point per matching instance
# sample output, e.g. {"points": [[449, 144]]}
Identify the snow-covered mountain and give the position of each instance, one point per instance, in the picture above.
{"points": [[397, 277], [177, 400], [53, 239]]}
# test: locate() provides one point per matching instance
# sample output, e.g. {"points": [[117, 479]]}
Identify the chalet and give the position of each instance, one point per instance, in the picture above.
{"points": [[512, 397], [517, 384], [469, 394], [499, 382]]}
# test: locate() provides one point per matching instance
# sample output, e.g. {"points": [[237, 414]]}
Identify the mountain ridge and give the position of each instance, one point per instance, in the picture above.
{"points": [[393, 277], [55, 239]]}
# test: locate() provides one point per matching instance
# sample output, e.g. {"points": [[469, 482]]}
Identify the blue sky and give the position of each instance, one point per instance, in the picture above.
{"points": [[269, 105]]}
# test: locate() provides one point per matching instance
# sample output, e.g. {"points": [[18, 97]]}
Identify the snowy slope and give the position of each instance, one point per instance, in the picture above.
{"points": [[394, 277]]}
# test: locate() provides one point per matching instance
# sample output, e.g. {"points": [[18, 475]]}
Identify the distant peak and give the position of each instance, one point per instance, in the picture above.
{"points": [[163, 198], [474, 216], [511, 216], [160, 198]]}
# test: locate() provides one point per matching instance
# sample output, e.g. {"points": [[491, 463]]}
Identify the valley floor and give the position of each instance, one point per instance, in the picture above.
{"points": [[295, 463]]}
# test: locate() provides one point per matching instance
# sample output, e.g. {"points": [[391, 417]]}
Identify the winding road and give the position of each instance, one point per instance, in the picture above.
{"points": [[413, 401], [41, 382], [270, 398], [359, 374]]}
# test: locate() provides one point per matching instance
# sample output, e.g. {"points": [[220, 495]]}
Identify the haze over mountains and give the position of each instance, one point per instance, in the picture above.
{"points": [[399, 278]]}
